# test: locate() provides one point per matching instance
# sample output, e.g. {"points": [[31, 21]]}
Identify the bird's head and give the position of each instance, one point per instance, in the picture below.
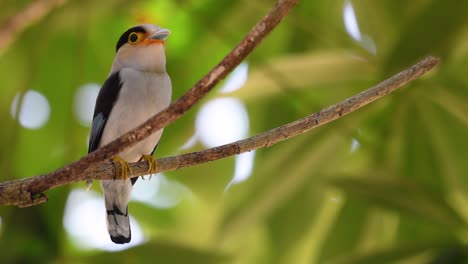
{"points": [[142, 48]]}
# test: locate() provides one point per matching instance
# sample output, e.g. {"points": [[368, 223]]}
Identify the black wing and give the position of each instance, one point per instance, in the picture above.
{"points": [[105, 101]]}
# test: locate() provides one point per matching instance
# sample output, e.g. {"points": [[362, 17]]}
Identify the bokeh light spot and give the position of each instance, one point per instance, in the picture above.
{"points": [[34, 111], [350, 21], [355, 145], [84, 220], [236, 79], [160, 192], [243, 168], [222, 121], [85, 99], [352, 27]]}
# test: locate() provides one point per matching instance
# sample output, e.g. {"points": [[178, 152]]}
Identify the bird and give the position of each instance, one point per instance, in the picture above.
{"points": [[136, 88]]}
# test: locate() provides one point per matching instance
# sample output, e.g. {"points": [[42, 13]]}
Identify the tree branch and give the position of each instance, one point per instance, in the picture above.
{"points": [[25, 18], [18, 192], [27, 192], [271, 137]]}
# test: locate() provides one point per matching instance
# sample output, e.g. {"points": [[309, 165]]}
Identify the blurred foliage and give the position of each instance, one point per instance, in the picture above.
{"points": [[400, 197]]}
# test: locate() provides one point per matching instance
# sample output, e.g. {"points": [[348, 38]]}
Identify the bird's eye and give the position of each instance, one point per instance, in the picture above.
{"points": [[133, 38]]}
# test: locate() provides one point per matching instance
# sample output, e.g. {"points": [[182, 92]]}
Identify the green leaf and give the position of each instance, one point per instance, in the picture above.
{"points": [[395, 254], [434, 29], [280, 183], [402, 194], [341, 239], [160, 252]]}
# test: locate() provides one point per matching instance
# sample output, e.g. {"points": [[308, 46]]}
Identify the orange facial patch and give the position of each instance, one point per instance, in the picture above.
{"points": [[149, 41]]}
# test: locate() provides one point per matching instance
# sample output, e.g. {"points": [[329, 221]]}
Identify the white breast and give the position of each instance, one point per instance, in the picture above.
{"points": [[143, 94]]}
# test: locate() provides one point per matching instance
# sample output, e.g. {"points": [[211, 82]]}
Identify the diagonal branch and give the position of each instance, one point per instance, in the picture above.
{"points": [[24, 19], [17, 192], [30, 193]]}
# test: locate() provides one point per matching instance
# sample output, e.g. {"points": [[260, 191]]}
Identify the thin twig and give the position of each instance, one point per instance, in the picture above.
{"points": [[29, 191], [17, 192], [276, 135], [24, 19]]}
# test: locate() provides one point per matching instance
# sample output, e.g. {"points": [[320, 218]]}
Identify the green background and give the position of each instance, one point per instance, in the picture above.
{"points": [[400, 197]]}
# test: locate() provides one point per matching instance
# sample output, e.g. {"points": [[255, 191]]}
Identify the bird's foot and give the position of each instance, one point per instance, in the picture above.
{"points": [[152, 164], [125, 169]]}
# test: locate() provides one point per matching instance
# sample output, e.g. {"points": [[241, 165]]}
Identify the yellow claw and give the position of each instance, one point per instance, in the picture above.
{"points": [[88, 184], [124, 168], [152, 164]]}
